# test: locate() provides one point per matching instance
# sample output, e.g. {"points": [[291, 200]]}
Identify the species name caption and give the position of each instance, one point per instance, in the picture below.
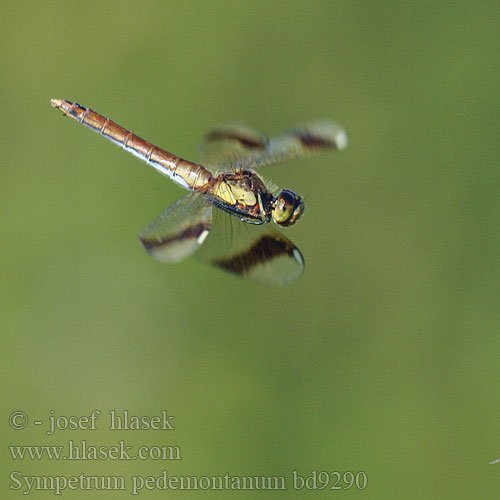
{"points": [[82, 450], [316, 480]]}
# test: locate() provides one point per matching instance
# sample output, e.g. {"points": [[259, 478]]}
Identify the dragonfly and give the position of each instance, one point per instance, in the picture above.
{"points": [[224, 219]]}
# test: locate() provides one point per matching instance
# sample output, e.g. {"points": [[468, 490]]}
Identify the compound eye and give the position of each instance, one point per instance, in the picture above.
{"points": [[288, 208]]}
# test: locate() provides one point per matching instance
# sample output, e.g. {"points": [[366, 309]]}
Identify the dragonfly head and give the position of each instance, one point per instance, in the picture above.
{"points": [[287, 208]]}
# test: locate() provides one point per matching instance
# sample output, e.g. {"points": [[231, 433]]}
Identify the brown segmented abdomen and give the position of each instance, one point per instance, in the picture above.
{"points": [[188, 174]]}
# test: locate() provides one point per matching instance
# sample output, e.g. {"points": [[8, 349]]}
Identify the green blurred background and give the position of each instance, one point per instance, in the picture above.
{"points": [[383, 358]]}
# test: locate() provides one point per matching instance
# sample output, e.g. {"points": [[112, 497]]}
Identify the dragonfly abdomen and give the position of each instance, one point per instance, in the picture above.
{"points": [[187, 174]]}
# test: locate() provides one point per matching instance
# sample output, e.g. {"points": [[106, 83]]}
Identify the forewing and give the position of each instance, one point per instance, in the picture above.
{"points": [[257, 252], [180, 230], [240, 143], [303, 141], [231, 143]]}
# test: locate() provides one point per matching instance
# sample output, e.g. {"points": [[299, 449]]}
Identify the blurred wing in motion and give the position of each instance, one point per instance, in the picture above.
{"points": [[302, 141], [180, 230], [257, 252], [231, 143], [240, 143]]}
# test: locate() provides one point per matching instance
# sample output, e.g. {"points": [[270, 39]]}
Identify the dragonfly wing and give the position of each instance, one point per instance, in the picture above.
{"points": [[240, 143], [303, 141], [257, 252], [180, 230], [231, 143]]}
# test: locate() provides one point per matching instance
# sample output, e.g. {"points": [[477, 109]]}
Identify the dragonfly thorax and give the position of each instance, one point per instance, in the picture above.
{"points": [[243, 194]]}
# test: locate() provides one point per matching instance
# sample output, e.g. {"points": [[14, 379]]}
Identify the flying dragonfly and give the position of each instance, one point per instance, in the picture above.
{"points": [[228, 180]]}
